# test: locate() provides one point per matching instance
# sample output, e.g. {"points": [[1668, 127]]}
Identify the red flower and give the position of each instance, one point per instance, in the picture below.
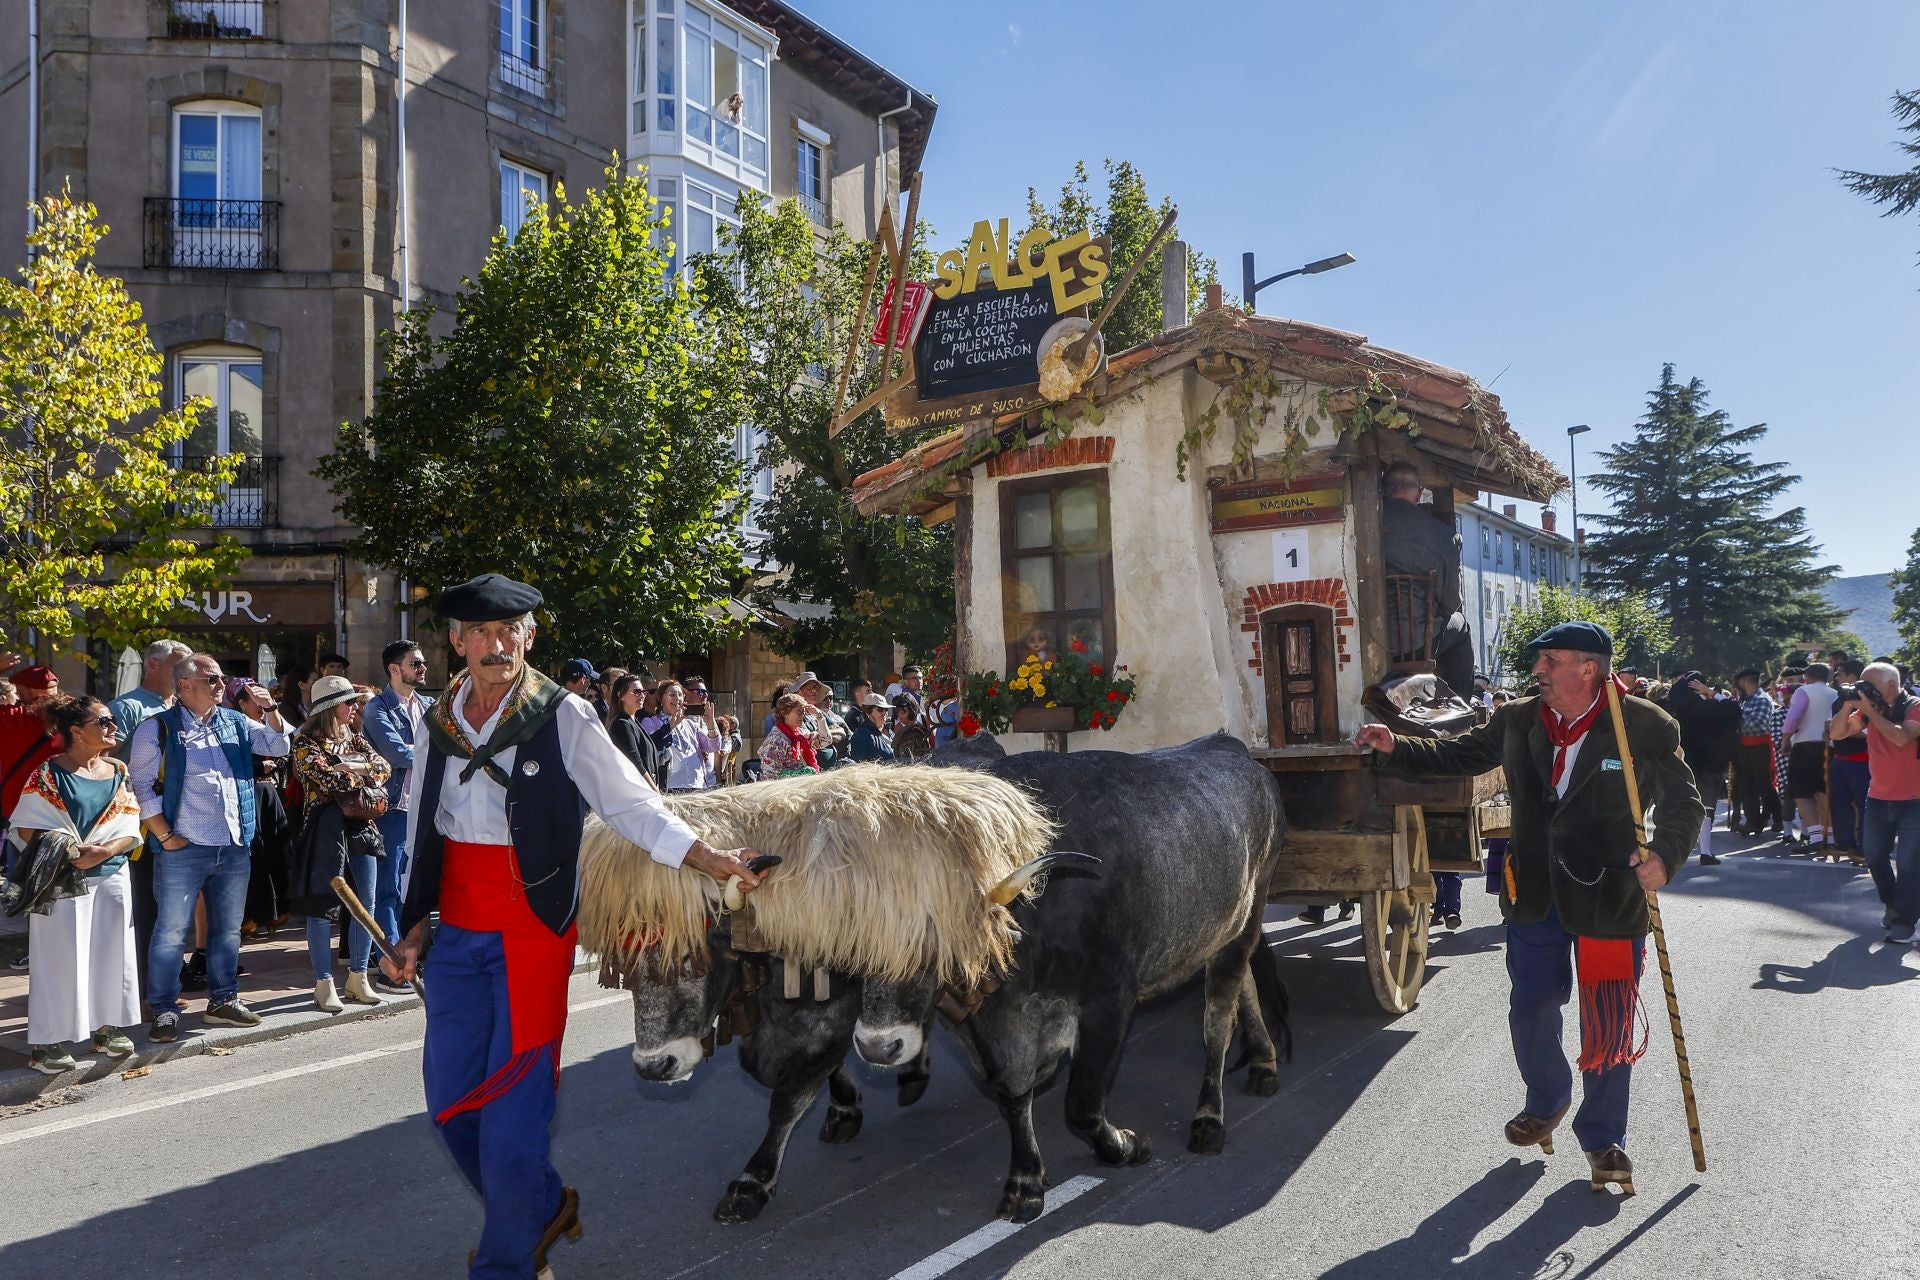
{"points": [[993, 691], [1123, 695], [1078, 646], [969, 725], [1094, 668], [1113, 695]]}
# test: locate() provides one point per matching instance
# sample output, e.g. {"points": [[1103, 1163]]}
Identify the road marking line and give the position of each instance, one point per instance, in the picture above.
{"points": [[972, 1246], [232, 1086]]}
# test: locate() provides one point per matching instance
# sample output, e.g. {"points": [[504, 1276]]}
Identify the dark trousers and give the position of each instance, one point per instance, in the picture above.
{"points": [[1892, 848], [1540, 965], [502, 1149], [146, 909], [1756, 796], [1446, 893], [1846, 801]]}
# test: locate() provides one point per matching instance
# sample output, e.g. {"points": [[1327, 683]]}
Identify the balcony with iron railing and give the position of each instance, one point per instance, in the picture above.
{"points": [[215, 235], [251, 500], [215, 19], [523, 75]]}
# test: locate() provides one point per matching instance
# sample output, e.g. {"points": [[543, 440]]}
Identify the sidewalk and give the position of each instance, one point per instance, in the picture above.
{"points": [[278, 987]]}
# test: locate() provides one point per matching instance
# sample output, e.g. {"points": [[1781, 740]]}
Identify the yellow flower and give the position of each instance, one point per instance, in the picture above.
{"points": [[1019, 683], [1053, 704], [1049, 665], [1039, 690]]}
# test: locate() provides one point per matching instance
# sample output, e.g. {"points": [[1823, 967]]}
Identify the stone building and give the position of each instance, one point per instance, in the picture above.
{"points": [[247, 155]]}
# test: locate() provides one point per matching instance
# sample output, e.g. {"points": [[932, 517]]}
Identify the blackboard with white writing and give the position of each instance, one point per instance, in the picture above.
{"points": [[983, 342]]}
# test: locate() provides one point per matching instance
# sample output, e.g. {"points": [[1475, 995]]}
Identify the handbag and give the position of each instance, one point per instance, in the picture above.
{"points": [[364, 804]]}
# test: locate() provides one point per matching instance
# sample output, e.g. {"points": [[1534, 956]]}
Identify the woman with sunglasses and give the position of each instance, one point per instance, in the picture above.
{"points": [[85, 981]]}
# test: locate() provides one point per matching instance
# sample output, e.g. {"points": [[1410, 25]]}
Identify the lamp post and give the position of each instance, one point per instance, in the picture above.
{"points": [[1249, 285], [1573, 458]]}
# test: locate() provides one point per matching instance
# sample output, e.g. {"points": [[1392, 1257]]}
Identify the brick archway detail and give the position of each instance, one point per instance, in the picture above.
{"points": [[1331, 593]]}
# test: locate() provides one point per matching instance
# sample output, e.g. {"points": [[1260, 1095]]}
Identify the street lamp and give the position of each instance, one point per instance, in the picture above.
{"points": [[1250, 286], [1573, 458]]}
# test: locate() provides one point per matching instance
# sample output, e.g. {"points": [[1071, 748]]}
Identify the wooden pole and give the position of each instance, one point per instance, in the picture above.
{"points": [[1079, 351], [1659, 933]]}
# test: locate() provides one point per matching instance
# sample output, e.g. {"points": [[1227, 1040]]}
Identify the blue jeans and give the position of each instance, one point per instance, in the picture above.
{"points": [[1446, 893], [1540, 964], [386, 894], [360, 869], [179, 877], [1846, 793], [1892, 850]]}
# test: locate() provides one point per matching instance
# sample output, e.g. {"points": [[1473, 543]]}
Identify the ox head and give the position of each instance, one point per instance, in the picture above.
{"points": [[673, 1015], [894, 1015]]}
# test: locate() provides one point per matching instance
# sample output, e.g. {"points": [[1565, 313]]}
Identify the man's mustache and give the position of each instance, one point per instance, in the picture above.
{"points": [[496, 660]]}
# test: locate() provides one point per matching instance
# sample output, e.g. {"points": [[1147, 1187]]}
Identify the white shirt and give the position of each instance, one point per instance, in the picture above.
{"points": [[475, 811]]}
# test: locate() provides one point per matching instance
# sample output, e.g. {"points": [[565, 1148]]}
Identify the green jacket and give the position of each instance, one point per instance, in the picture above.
{"points": [[1573, 852]]}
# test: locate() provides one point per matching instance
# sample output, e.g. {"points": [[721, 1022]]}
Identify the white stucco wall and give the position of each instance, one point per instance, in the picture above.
{"points": [[1179, 592]]}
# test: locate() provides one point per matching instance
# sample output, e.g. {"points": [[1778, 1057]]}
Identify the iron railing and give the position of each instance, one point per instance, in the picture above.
{"points": [[815, 209], [221, 235], [216, 19], [523, 75], [250, 500]]}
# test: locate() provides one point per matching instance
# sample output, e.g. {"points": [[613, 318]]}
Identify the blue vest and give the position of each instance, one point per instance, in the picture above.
{"points": [[546, 816], [236, 740]]}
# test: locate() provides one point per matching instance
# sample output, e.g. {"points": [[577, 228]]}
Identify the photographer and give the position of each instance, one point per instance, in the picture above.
{"points": [[1890, 718], [684, 736], [1847, 765]]}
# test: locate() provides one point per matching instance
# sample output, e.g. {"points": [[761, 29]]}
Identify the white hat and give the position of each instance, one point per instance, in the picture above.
{"points": [[330, 691]]}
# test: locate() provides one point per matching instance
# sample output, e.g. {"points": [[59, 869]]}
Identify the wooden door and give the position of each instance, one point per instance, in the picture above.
{"points": [[1296, 643]]}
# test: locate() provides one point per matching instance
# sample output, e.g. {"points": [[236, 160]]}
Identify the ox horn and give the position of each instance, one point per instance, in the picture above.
{"points": [[731, 895], [1063, 860]]}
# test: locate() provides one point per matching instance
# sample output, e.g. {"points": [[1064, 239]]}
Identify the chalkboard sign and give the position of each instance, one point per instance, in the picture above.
{"points": [[983, 342]]}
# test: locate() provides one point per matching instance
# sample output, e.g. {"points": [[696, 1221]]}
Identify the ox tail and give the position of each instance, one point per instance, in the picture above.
{"points": [[1273, 998]]}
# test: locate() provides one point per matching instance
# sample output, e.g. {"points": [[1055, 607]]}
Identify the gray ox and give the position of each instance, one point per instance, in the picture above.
{"points": [[1187, 838]]}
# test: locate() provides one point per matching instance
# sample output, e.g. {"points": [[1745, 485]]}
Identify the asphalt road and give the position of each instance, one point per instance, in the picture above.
{"points": [[1380, 1157]]}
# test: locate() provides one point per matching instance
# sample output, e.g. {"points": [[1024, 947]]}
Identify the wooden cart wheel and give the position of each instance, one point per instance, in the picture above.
{"points": [[1393, 928]]}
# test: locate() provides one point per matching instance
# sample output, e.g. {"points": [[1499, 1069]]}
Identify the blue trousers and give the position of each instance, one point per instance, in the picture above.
{"points": [[386, 892], [360, 869], [179, 877], [1540, 965], [1446, 893], [1892, 850], [1846, 798], [502, 1149]]}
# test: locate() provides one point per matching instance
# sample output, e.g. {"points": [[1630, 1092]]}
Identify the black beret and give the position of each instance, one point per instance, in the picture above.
{"points": [[1582, 637], [1747, 673], [491, 597]]}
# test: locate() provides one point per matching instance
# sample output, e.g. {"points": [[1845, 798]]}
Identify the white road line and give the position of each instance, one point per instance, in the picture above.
{"points": [[972, 1246], [232, 1086]]}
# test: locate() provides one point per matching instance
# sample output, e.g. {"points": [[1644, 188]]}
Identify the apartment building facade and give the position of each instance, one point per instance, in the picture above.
{"points": [[278, 193], [1504, 563]]}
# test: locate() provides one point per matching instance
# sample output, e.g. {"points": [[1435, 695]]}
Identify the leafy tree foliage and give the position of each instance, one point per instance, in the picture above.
{"points": [[1640, 634], [94, 515], [1130, 216], [780, 302], [1906, 603], [575, 430], [1694, 526], [1898, 192]]}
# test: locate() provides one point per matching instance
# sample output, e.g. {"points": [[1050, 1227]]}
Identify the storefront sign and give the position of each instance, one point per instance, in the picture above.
{"points": [[1273, 504], [264, 604]]}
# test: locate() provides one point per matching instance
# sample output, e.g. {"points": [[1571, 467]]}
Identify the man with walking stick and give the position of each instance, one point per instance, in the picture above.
{"points": [[1579, 879]]}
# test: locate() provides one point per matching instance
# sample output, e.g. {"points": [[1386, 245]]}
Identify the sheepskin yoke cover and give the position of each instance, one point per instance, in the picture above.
{"points": [[885, 875]]}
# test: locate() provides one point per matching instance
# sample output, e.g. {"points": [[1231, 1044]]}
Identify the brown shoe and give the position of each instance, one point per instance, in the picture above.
{"points": [[566, 1222], [1534, 1131], [1611, 1165]]}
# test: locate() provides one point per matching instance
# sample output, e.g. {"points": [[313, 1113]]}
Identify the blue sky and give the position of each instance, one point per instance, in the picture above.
{"points": [[1555, 198]]}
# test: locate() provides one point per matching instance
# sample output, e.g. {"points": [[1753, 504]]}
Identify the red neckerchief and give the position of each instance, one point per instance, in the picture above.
{"points": [[802, 744], [1564, 733]]}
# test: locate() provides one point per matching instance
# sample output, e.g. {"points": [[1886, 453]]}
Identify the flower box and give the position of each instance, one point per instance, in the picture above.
{"points": [[1043, 719]]}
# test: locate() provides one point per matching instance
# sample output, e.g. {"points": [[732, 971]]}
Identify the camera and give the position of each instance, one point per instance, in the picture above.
{"points": [[1871, 694]]}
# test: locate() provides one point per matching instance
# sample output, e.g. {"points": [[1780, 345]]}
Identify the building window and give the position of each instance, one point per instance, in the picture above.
{"points": [[520, 188], [706, 212], [213, 215], [637, 93], [812, 178], [748, 442], [216, 19], [1485, 552], [523, 45], [1499, 548], [1056, 548], [229, 380], [665, 56]]}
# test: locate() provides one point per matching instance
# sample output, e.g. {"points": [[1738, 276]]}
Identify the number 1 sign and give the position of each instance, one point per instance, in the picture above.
{"points": [[1290, 556]]}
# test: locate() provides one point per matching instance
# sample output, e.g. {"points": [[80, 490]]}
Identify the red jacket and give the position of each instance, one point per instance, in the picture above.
{"points": [[22, 749]]}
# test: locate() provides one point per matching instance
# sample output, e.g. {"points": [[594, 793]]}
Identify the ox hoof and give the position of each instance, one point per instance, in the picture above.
{"points": [[912, 1089], [1126, 1147], [1263, 1082], [1209, 1137], [743, 1202], [1024, 1199], [842, 1125]]}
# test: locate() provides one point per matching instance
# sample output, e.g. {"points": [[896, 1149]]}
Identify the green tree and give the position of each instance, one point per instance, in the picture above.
{"points": [[1694, 526], [780, 302], [1906, 603], [1640, 634], [94, 515], [1130, 216], [575, 429], [1898, 192]]}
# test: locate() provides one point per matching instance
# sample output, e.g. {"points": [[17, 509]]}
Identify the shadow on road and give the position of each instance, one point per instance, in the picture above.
{"points": [[1857, 964]]}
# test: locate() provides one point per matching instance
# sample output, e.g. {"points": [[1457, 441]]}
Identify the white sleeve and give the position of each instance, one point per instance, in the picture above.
{"points": [[614, 788], [416, 788]]}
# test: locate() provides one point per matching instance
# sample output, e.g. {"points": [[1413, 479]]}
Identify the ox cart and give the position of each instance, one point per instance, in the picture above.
{"points": [[1206, 510]]}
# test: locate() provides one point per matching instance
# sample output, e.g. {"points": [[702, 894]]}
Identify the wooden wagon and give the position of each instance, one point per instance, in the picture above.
{"points": [[1247, 592]]}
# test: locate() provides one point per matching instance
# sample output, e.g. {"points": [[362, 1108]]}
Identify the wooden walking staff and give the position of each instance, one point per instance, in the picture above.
{"points": [[358, 910], [1659, 932]]}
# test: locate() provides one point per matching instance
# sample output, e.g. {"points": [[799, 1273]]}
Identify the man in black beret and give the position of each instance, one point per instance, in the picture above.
{"points": [[1574, 878], [506, 767], [1756, 800]]}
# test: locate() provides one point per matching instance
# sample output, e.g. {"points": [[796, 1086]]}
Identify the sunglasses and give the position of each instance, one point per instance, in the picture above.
{"points": [[103, 722]]}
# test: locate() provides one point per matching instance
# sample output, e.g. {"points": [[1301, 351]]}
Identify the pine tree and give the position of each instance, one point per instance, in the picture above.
{"points": [[1899, 192], [1694, 527], [1906, 603]]}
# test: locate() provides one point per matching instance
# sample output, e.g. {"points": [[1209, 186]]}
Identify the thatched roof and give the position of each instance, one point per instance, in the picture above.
{"points": [[1461, 426]]}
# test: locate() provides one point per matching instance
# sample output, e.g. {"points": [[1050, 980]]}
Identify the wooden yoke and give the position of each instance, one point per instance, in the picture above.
{"points": [[897, 245]]}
